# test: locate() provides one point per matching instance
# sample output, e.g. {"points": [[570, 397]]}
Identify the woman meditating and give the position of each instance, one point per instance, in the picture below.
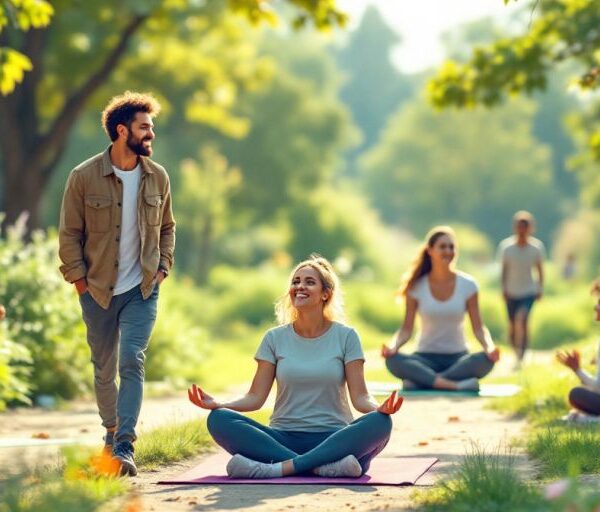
{"points": [[441, 295], [312, 356], [585, 399]]}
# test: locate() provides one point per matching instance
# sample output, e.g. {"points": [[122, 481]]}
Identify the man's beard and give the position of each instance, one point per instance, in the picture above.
{"points": [[137, 146]]}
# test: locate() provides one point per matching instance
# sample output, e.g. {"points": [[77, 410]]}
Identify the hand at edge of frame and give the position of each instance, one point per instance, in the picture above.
{"points": [[391, 405]]}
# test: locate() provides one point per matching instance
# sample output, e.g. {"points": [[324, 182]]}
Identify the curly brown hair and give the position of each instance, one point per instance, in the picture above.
{"points": [[122, 109]]}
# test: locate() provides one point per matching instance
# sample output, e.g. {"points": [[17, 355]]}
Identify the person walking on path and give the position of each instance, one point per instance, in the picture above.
{"points": [[312, 356], [586, 398], [441, 295], [519, 255], [116, 242]]}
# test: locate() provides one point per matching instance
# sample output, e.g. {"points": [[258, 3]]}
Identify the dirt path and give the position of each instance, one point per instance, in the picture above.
{"points": [[442, 427]]}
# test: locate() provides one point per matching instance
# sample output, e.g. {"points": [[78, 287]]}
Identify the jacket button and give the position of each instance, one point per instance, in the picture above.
{"points": [[111, 288], [119, 205], [116, 263], [117, 239], [118, 226]]}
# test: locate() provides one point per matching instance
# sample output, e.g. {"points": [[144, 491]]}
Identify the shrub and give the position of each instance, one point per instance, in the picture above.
{"points": [[43, 314], [15, 366]]}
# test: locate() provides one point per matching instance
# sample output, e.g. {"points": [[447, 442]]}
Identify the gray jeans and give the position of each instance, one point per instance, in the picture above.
{"points": [[120, 335], [423, 367]]}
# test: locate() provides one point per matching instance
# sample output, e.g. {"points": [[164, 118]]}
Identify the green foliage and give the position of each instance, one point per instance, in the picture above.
{"points": [[366, 60], [485, 482], [246, 295], [43, 315], [576, 236], [557, 320], [564, 30], [15, 367], [424, 171], [23, 16], [178, 344], [564, 449], [375, 305]]}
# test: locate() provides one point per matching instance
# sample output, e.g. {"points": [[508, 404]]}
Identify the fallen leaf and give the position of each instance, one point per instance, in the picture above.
{"points": [[453, 419], [423, 443], [41, 435]]}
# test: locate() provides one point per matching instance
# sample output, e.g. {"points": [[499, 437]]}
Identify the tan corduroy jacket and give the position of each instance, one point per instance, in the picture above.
{"points": [[90, 225]]}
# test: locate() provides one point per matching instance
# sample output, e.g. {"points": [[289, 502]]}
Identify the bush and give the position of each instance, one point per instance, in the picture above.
{"points": [[559, 320], [375, 305], [43, 314], [177, 346], [15, 366]]}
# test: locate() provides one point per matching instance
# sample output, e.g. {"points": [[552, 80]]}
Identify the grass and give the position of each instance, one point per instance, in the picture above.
{"points": [[566, 449], [483, 482], [490, 482], [172, 443]]}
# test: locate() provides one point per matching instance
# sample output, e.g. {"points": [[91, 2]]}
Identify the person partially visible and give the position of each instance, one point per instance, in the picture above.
{"points": [[521, 255], [313, 357], [2, 312], [440, 295], [585, 398]]}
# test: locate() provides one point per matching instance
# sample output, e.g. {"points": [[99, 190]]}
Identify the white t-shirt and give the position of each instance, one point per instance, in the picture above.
{"points": [[310, 375], [442, 322], [592, 382], [519, 262], [130, 268]]}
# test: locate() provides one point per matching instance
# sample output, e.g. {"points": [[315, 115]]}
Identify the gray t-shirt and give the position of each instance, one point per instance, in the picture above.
{"points": [[520, 261], [310, 375]]}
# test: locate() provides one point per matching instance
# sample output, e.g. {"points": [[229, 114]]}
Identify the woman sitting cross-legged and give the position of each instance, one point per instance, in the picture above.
{"points": [[585, 399], [441, 295], [312, 356]]}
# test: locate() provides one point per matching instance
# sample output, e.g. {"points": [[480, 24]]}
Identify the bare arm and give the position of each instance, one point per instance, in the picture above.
{"points": [[479, 330], [540, 270], [503, 278], [359, 395], [404, 334], [253, 400]]}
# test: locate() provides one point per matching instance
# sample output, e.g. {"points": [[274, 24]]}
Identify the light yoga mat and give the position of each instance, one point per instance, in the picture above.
{"points": [[486, 390], [383, 471]]}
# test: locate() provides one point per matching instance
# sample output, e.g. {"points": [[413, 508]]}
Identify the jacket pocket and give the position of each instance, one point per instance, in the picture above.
{"points": [[153, 208], [97, 213]]}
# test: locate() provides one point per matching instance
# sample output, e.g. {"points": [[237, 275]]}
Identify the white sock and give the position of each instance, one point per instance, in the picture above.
{"points": [[471, 384], [346, 467], [243, 467]]}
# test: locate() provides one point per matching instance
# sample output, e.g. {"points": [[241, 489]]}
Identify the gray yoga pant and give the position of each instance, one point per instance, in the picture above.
{"points": [[422, 368], [364, 438]]}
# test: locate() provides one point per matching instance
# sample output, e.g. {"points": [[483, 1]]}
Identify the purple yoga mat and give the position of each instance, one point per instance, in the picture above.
{"points": [[383, 471]]}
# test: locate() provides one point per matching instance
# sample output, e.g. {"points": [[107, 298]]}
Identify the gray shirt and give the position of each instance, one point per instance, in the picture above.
{"points": [[310, 375], [519, 262]]}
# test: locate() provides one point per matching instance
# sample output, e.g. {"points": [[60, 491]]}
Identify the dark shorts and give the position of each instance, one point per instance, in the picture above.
{"points": [[521, 304]]}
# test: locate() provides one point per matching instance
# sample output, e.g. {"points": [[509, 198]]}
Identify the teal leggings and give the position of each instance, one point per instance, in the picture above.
{"points": [[364, 438]]}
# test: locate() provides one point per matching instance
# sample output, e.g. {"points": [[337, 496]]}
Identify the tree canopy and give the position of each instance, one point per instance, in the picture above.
{"points": [[561, 31]]}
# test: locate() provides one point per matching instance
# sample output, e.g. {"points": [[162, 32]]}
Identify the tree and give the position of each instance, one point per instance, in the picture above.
{"points": [[372, 88], [425, 171], [80, 51], [563, 31], [201, 209], [23, 16]]}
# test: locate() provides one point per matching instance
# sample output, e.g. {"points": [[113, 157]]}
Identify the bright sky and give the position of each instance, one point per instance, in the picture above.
{"points": [[421, 22]]}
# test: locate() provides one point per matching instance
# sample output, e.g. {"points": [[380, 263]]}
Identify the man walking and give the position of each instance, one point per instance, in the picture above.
{"points": [[520, 254], [116, 242]]}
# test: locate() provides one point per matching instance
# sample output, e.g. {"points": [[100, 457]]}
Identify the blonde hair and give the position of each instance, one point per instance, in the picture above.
{"points": [[333, 307], [421, 265]]}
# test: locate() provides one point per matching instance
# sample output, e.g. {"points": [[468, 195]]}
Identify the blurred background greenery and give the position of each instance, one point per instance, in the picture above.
{"points": [[288, 131]]}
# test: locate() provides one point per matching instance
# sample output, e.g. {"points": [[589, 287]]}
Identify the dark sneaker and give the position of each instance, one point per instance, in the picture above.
{"points": [[123, 452]]}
